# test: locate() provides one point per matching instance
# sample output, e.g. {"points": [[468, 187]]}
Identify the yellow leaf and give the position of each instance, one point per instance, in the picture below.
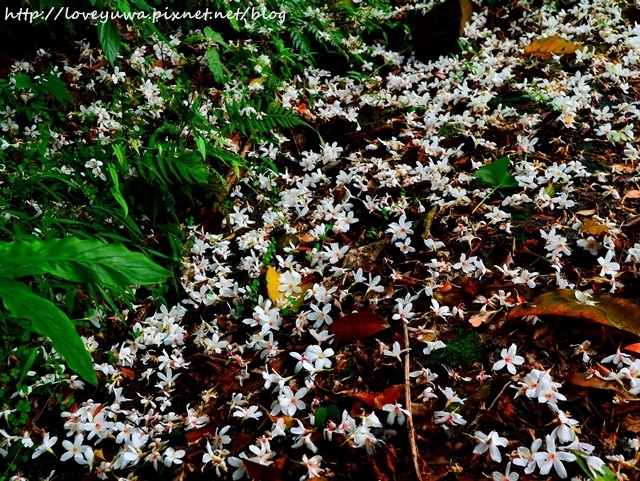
{"points": [[278, 297], [550, 45], [259, 80], [466, 8], [273, 283], [593, 227], [98, 455]]}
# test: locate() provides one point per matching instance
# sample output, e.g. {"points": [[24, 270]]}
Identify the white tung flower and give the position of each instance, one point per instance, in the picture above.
{"points": [[509, 359], [490, 442]]}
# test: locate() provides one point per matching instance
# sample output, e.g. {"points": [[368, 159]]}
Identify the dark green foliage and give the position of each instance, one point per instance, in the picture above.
{"points": [[300, 42], [168, 166], [109, 40], [75, 260], [261, 122], [462, 351]]}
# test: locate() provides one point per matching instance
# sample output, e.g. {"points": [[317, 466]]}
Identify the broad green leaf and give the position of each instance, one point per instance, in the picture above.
{"points": [[22, 81], [123, 6], [193, 39], [79, 260], [151, 26], [212, 35], [595, 476], [607, 310], [549, 190], [215, 65], [57, 88], [323, 413], [142, 5], [51, 322], [110, 41], [496, 174]]}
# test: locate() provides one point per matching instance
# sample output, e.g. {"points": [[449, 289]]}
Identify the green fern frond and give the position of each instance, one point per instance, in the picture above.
{"points": [[274, 116], [166, 166], [300, 42]]}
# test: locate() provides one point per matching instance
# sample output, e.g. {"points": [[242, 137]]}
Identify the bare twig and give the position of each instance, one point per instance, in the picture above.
{"points": [[407, 403], [483, 409]]}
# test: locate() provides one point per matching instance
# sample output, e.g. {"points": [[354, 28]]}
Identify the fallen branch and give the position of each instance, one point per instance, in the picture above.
{"points": [[407, 402]]}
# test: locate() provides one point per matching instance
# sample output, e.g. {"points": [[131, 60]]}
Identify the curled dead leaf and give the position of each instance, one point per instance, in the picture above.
{"points": [[391, 395], [466, 8], [361, 257], [632, 194], [288, 420], [481, 318], [587, 212], [631, 222], [128, 373]]}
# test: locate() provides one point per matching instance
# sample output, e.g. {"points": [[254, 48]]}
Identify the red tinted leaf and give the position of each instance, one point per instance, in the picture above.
{"points": [[196, 435], [633, 347], [391, 395], [353, 327], [610, 311], [366, 397], [376, 400]]}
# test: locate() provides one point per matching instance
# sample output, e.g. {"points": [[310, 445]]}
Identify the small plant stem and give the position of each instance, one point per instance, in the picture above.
{"points": [[485, 199], [407, 403], [484, 409]]}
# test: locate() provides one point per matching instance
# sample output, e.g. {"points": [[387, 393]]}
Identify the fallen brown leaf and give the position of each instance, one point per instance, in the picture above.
{"points": [[610, 311], [587, 381], [631, 423], [632, 194]]}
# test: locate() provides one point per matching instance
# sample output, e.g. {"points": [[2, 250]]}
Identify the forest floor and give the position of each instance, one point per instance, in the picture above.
{"points": [[440, 282]]}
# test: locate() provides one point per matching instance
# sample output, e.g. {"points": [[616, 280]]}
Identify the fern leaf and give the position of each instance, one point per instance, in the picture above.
{"points": [[300, 42]]}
